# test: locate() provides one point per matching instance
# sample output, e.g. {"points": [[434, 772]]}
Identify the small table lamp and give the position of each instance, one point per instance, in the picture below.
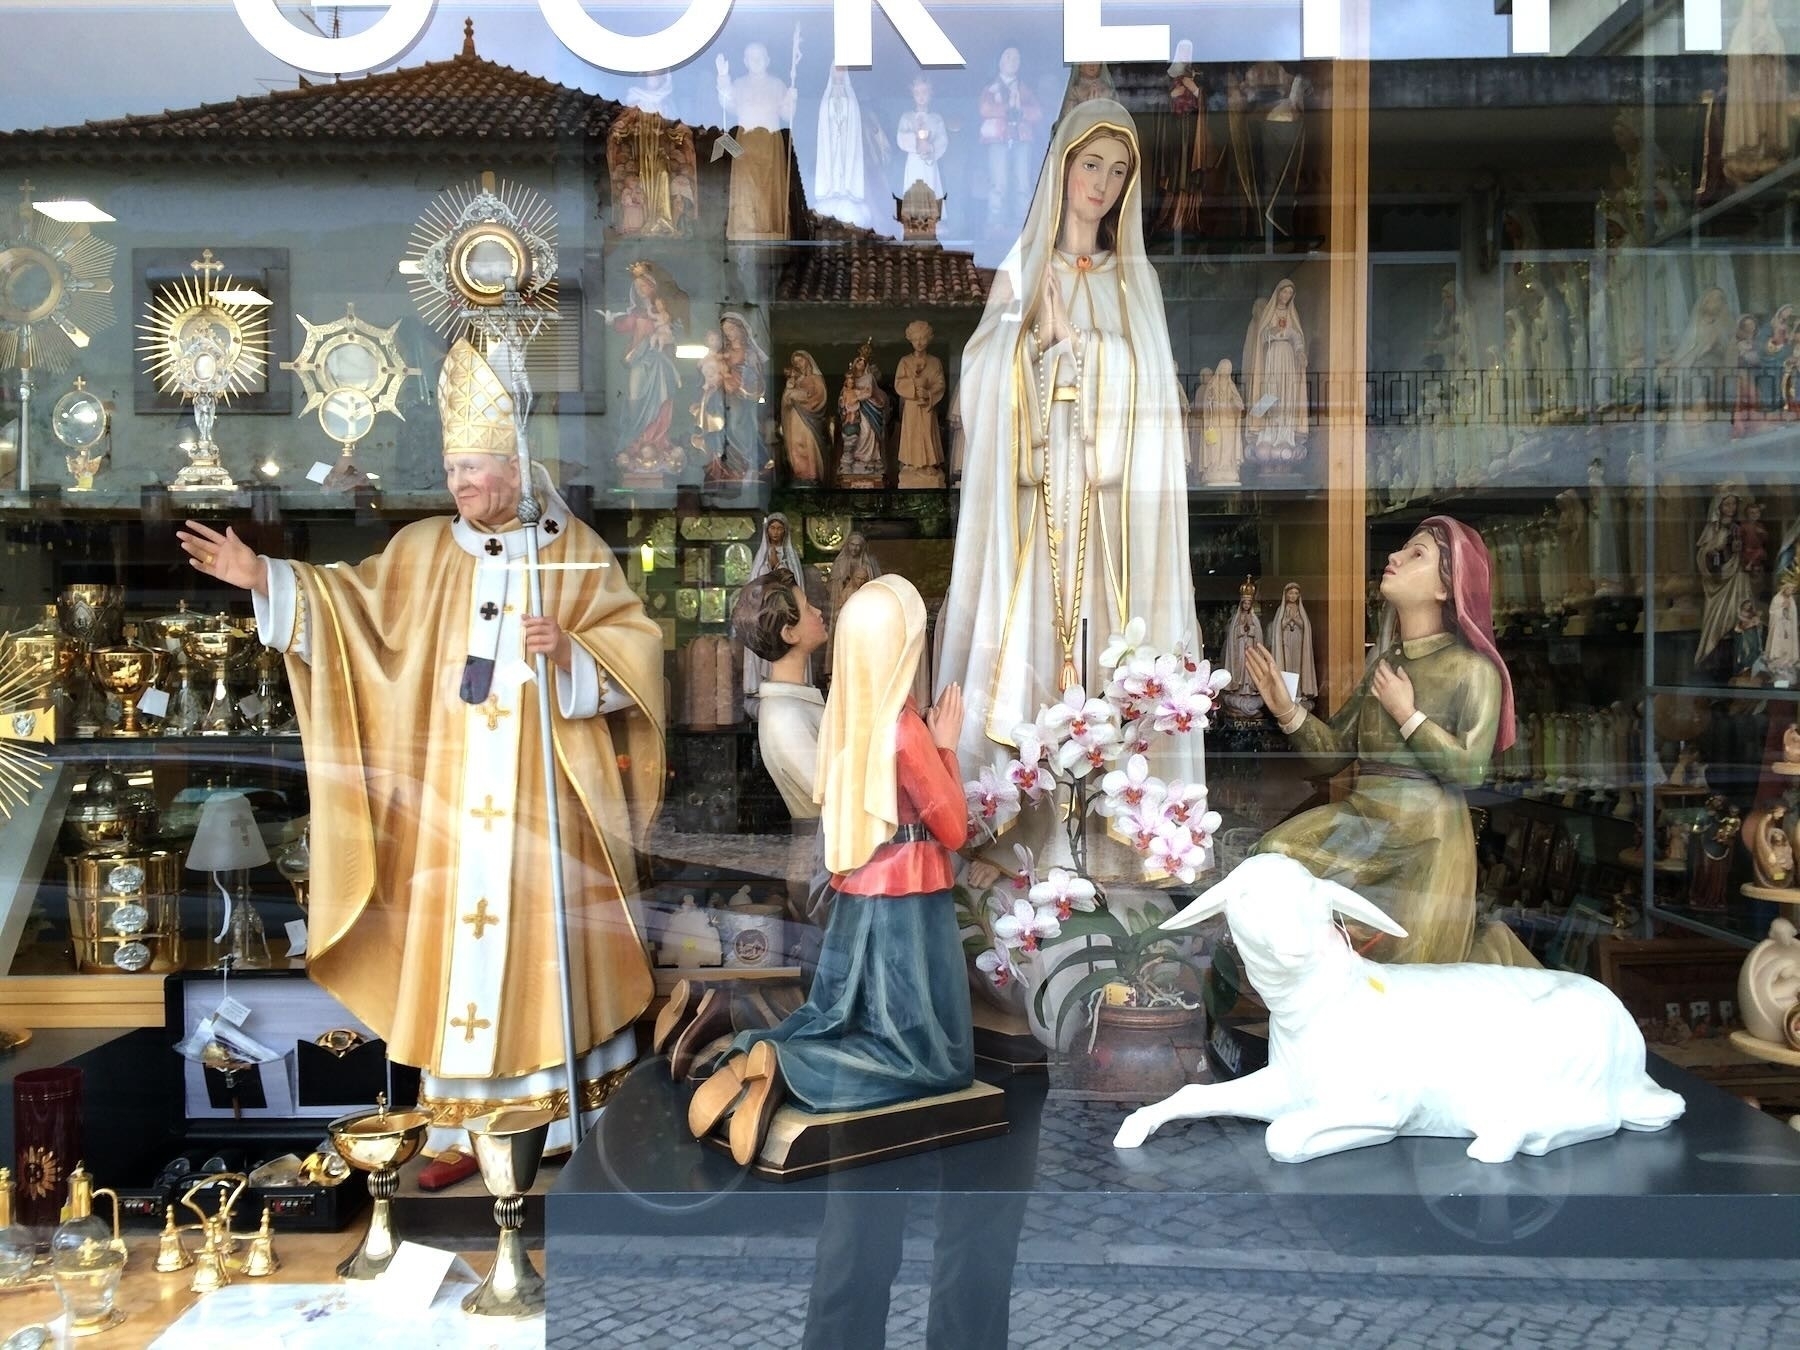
{"points": [[227, 844]]}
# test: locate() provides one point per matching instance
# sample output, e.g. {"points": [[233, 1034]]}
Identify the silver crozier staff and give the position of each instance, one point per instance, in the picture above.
{"points": [[508, 328]]}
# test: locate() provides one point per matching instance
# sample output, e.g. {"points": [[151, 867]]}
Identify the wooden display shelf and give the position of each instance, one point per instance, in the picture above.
{"points": [[72, 1000]]}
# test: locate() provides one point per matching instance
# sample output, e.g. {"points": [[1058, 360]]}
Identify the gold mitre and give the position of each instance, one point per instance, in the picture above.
{"points": [[476, 410]]}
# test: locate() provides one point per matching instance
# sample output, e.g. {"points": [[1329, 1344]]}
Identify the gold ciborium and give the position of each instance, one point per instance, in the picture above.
{"points": [[379, 1142], [127, 671], [217, 648], [509, 1145]]}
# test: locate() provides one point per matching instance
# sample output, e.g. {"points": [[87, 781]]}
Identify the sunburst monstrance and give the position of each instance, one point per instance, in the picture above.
{"points": [[27, 720], [55, 293], [206, 349], [480, 251]]}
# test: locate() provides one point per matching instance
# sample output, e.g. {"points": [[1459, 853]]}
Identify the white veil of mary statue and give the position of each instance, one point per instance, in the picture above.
{"points": [[1074, 493]]}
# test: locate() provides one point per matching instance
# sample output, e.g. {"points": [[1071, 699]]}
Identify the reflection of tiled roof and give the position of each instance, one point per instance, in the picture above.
{"points": [[876, 271], [466, 101]]}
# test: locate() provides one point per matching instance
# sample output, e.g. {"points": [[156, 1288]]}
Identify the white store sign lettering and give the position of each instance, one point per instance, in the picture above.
{"points": [[1086, 35]]}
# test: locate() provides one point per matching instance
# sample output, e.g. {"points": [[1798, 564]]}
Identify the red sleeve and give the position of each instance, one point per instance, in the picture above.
{"points": [[931, 779]]}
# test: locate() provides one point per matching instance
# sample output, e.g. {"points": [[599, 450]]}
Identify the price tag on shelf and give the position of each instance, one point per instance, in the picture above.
{"points": [[514, 673], [251, 706], [318, 473], [296, 936], [415, 1274], [154, 703], [232, 1011]]}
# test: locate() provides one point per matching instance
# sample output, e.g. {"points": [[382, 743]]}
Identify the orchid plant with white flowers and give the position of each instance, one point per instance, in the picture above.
{"points": [[1090, 754]]}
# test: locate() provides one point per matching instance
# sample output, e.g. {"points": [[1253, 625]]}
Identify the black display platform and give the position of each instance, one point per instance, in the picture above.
{"points": [[1722, 1183]]}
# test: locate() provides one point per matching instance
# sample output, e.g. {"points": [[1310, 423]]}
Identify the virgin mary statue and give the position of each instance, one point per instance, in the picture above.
{"points": [[1074, 490]]}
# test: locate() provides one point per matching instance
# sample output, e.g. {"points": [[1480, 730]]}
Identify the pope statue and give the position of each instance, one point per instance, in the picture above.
{"points": [[431, 916]]}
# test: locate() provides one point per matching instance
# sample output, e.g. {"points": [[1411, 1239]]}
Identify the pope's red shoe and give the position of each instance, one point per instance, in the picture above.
{"points": [[448, 1168]]}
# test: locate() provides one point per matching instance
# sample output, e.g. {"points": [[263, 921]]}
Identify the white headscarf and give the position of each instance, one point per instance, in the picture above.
{"points": [[786, 554], [880, 633], [1159, 584]]}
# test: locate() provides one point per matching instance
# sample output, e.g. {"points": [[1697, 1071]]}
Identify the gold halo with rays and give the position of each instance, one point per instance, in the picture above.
{"points": [[55, 289], [186, 322], [470, 240], [27, 720]]}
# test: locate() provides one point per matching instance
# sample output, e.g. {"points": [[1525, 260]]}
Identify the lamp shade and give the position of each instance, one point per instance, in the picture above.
{"points": [[226, 838]]}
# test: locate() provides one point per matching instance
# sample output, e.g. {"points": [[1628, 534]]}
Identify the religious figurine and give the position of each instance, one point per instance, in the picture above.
{"points": [[805, 428], [1769, 983], [1275, 383], [1073, 519], [776, 549], [1572, 533], [1434, 709], [82, 466], [1089, 80], [840, 186], [652, 322], [1781, 650], [1606, 559], [919, 383], [1703, 364], [1753, 548], [1219, 413], [853, 568], [862, 423], [729, 419], [1765, 836], [1632, 537], [1268, 143], [758, 107], [648, 151], [423, 762], [777, 623], [1180, 151], [923, 138], [1745, 408], [1288, 635], [1758, 138], [1774, 346], [887, 1018], [1009, 119], [1713, 837], [1718, 554], [1747, 644], [1242, 632], [1688, 771], [1451, 346]]}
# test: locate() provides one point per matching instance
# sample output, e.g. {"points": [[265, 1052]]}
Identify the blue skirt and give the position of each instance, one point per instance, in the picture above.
{"points": [[888, 1017]]}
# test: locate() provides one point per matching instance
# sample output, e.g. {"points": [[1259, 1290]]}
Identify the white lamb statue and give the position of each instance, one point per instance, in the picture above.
{"points": [[1359, 1053]]}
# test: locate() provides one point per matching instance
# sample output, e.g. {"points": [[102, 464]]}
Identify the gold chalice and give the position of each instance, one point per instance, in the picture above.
{"points": [[90, 614], [127, 671], [509, 1145], [379, 1142]]}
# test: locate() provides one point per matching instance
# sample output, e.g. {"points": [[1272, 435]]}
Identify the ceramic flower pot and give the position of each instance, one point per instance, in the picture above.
{"points": [[1137, 1055]]}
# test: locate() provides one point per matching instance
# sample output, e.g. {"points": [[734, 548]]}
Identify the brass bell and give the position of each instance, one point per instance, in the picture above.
{"points": [[171, 1255], [261, 1259], [209, 1267]]}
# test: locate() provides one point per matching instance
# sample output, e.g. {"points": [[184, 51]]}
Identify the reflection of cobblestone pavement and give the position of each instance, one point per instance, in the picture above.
{"points": [[758, 1299]]}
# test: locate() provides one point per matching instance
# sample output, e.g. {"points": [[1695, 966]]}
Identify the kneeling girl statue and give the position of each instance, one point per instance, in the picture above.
{"points": [[1435, 706], [888, 1017]]}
